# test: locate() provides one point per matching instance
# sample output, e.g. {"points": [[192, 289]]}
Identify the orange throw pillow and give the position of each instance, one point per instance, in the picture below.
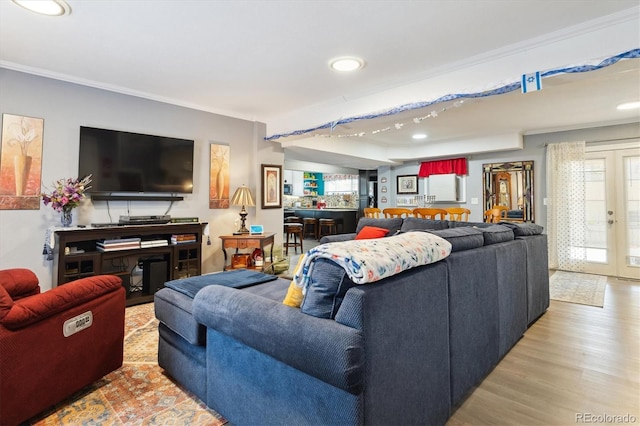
{"points": [[370, 232]]}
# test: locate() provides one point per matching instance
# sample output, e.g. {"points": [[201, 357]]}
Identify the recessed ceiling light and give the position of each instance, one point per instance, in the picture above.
{"points": [[419, 136], [346, 64], [629, 105], [45, 7]]}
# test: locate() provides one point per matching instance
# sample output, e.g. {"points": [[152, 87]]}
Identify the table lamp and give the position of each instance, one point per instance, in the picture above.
{"points": [[242, 197]]}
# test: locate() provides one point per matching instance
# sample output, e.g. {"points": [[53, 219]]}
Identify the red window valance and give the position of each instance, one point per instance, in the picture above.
{"points": [[443, 167]]}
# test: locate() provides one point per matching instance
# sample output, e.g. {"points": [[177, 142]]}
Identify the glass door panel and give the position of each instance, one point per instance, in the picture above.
{"points": [[612, 213], [628, 244], [595, 211]]}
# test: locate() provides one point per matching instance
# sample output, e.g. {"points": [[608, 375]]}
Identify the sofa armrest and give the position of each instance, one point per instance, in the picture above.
{"points": [[40, 306], [19, 282], [322, 348], [337, 238]]}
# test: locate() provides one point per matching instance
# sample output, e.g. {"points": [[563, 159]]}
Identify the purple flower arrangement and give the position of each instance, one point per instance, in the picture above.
{"points": [[67, 194]]}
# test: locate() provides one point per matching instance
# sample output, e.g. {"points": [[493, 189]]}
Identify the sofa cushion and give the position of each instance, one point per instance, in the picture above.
{"points": [[523, 229], [370, 232], [461, 238], [496, 234], [419, 224], [329, 270], [175, 311], [392, 224], [328, 285], [294, 295], [461, 224]]}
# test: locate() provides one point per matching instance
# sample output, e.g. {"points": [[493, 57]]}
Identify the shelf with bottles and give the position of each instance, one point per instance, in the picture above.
{"points": [[313, 184]]}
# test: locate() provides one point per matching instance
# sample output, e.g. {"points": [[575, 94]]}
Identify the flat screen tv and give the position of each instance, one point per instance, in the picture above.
{"points": [[124, 162]]}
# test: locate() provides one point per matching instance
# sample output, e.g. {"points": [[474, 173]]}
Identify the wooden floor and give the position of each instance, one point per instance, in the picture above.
{"points": [[577, 364]]}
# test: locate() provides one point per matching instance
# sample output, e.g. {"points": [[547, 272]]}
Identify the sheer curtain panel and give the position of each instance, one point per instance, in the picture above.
{"points": [[566, 205]]}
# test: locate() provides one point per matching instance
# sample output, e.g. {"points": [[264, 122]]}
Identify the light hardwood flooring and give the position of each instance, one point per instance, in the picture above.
{"points": [[576, 365]]}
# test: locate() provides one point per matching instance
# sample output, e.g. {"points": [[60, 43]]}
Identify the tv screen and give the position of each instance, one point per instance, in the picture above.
{"points": [[132, 162]]}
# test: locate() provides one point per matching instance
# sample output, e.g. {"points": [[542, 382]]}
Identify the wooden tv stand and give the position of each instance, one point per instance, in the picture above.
{"points": [[143, 270]]}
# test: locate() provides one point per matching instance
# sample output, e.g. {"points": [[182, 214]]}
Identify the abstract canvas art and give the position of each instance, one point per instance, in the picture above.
{"points": [[20, 162]]}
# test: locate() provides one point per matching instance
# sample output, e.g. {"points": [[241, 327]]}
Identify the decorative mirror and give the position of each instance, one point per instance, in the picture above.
{"points": [[510, 186]]}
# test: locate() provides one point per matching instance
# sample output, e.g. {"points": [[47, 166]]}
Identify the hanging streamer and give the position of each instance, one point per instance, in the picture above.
{"points": [[631, 54]]}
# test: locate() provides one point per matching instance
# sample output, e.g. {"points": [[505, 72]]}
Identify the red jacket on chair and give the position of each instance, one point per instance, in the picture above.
{"points": [[53, 344]]}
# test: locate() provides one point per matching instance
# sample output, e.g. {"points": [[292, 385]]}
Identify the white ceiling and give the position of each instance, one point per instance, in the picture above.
{"points": [[265, 60]]}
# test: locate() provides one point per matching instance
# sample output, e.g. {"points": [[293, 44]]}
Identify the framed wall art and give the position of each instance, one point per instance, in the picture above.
{"points": [[407, 184], [219, 177], [20, 162], [271, 186]]}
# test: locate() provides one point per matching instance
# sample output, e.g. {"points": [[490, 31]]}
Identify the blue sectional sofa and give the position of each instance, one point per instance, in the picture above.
{"points": [[404, 350]]}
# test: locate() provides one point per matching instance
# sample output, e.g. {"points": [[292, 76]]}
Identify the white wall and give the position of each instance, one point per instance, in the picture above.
{"points": [[65, 107]]}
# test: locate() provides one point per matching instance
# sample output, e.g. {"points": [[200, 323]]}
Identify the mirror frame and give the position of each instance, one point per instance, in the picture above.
{"points": [[489, 173]]}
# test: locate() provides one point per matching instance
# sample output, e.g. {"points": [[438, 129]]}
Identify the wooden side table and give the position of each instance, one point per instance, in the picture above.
{"points": [[247, 241]]}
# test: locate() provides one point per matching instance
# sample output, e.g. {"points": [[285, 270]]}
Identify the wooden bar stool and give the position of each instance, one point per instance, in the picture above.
{"points": [[293, 219], [294, 230], [326, 224], [310, 226]]}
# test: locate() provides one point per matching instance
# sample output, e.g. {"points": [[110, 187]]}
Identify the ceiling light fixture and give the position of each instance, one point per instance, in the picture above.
{"points": [[629, 105], [419, 136], [346, 64], [45, 7]]}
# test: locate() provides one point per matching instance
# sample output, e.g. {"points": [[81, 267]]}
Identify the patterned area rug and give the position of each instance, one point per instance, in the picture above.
{"points": [[138, 393], [584, 289]]}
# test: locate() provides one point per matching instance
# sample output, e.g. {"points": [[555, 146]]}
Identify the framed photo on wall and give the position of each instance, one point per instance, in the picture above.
{"points": [[407, 184], [271, 186]]}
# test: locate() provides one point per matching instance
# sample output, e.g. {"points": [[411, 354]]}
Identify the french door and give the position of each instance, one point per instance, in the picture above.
{"points": [[612, 213]]}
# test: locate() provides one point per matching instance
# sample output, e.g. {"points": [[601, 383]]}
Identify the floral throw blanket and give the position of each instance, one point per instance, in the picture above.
{"points": [[367, 261]]}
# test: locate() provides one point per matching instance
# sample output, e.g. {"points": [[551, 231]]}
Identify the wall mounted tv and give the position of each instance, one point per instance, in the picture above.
{"points": [[133, 163]]}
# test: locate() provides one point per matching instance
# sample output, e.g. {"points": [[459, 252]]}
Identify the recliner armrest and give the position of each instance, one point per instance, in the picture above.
{"points": [[322, 348], [19, 282]]}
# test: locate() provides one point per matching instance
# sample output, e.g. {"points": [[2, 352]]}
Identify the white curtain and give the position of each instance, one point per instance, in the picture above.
{"points": [[566, 205]]}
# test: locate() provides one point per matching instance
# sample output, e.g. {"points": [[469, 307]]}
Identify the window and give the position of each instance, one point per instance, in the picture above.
{"points": [[340, 183]]}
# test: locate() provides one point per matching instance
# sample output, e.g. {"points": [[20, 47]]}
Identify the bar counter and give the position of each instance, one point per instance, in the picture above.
{"points": [[346, 219]]}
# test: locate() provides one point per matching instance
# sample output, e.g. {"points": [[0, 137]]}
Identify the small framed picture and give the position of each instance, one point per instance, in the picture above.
{"points": [[407, 184], [271, 186]]}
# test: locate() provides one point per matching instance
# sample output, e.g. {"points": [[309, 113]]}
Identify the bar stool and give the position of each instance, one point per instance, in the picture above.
{"points": [[326, 224], [310, 226], [294, 230]]}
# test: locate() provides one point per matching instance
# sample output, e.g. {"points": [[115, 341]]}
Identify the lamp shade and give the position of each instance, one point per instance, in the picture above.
{"points": [[242, 197]]}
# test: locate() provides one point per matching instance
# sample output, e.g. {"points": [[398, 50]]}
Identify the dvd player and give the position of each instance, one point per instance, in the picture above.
{"points": [[104, 225], [144, 220]]}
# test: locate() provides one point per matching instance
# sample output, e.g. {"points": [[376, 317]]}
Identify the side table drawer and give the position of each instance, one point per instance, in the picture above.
{"points": [[241, 244]]}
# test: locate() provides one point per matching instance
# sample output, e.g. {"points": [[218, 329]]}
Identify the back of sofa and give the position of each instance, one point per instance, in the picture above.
{"points": [[404, 322]]}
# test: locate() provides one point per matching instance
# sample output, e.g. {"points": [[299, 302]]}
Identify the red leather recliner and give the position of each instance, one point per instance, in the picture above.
{"points": [[53, 344]]}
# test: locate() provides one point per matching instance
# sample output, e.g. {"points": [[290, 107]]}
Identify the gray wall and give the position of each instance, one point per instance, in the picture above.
{"points": [[534, 149], [66, 106]]}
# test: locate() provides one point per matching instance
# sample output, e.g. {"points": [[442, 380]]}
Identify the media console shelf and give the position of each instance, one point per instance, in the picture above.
{"points": [[143, 270]]}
